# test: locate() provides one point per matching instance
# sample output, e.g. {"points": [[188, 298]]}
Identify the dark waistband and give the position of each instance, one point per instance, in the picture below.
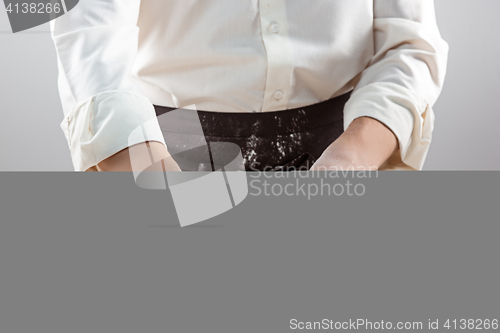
{"points": [[245, 124]]}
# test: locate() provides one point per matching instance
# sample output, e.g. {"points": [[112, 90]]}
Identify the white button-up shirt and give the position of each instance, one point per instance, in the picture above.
{"points": [[118, 57]]}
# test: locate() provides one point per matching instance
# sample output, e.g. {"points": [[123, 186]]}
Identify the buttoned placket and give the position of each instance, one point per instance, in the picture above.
{"points": [[274, 25]]}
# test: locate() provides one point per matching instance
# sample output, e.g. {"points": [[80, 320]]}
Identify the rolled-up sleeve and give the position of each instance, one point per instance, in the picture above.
{"points": [[404, 78], [96, 45]]}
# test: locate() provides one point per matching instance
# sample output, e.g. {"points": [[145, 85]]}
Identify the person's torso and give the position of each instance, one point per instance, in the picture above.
{"points": [[250, 55]]}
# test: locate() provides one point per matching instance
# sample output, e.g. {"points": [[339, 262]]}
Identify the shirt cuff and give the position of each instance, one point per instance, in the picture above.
{"points": [[408, 115], [105, 124]]}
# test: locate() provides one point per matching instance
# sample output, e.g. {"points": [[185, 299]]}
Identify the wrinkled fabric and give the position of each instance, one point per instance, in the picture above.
{"points": [[246, 56]]}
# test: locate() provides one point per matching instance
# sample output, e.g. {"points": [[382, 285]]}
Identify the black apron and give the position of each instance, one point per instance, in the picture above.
{"points": [[278, 140]]}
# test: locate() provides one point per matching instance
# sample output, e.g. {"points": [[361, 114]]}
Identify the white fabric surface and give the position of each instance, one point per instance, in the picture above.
{"points": [[118, 57]]}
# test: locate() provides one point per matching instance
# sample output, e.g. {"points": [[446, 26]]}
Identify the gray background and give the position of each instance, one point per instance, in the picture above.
{"points": [[466, 135], [111, 256]]}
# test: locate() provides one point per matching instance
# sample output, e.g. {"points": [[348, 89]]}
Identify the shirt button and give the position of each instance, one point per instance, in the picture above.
{"points": [[275, 28], [278, 95]]}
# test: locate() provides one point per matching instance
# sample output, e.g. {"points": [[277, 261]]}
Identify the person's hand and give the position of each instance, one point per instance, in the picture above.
{"points": [[365, 145], [141, 152]]}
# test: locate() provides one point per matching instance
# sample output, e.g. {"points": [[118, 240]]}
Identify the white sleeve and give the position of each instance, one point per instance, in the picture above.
{"points": [[96, 45], [404, 78]]}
